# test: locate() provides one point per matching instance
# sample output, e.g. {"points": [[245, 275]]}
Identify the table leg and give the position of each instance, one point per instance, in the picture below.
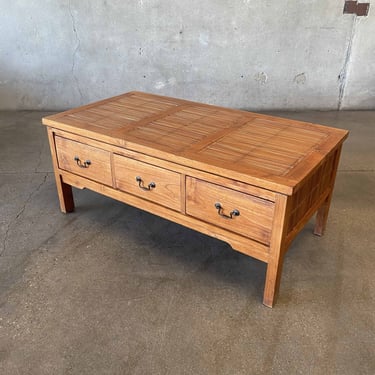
{"points": [[273, 278], [322, 213], [64, 190], [277, 244], [322, 216], [65, 194]]}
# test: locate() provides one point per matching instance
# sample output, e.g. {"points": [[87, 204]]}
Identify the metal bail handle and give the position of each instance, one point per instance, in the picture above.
{"points": [[150, 186], [85, 164], [231, 215]]}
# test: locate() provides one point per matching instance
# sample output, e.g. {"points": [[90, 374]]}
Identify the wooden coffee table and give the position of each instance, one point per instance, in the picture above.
{"points": [[248, 179]]}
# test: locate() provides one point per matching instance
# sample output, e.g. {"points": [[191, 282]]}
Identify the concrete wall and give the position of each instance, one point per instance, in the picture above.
{"points": [[240, 53], [359, 90]]}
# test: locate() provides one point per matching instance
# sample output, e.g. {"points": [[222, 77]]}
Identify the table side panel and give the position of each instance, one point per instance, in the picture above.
{"points": [[312, 190]]}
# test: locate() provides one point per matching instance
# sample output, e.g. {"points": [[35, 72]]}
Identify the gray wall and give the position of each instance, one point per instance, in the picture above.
{"points": [[240, 53]]}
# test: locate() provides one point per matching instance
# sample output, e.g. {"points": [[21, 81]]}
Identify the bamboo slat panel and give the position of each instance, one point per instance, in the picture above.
{"points": [[272, 153]]}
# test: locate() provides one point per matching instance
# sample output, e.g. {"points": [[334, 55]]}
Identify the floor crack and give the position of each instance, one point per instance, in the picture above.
{"points": [[39, 162], [20, 212], [78, 45]]}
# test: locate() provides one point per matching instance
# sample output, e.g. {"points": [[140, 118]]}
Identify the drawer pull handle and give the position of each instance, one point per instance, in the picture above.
{"points": [[85, 164], [150, 186], [231, 215]]}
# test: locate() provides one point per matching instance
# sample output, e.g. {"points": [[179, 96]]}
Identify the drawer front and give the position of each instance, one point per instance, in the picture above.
{"points": [[238, 212], [84, 160], [156, 184]]}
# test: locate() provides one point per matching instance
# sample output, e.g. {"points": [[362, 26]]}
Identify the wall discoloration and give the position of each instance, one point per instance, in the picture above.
{"points": [[159, 85], [300, 79], [204, 39], [261, 77], [75, 52]]}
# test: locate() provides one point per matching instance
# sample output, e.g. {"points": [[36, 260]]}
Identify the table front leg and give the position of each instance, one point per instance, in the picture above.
{"points": [[64, 190], [276, 258], [273, 278], [65, 194]]}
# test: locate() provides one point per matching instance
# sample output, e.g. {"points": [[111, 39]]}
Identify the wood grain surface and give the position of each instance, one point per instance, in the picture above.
{"points": [[167, 190], [99, 168], [255, 214], [272, 153]]}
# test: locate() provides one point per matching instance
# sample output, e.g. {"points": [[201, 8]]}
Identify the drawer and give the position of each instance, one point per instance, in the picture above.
{"points": [[84, 160], [148, 181], [238, 212]]}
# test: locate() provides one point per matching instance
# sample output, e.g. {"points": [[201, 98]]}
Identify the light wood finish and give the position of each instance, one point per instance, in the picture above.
{"points": [[99, 168], [223, 141], [219, 180], [255, 215], [276, 259], [167, 190], [322, 213], [64, 190], [276, 172]]}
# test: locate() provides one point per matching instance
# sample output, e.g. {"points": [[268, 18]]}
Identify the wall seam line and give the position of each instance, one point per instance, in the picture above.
{"points": [[344, 71], [78, 45]]}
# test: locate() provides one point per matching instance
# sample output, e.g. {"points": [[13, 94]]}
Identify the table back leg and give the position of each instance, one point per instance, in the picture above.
{"points": [[323, 210]]}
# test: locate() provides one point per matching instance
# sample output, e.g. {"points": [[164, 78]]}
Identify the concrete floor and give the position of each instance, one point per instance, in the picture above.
{"points": [[110, 289]]}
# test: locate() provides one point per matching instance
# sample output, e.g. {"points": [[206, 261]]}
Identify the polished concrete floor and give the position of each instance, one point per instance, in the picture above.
{"points": [[110, 289]]}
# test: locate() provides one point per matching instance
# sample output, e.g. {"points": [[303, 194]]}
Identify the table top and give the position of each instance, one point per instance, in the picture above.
{"points": [[266, 151]]}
